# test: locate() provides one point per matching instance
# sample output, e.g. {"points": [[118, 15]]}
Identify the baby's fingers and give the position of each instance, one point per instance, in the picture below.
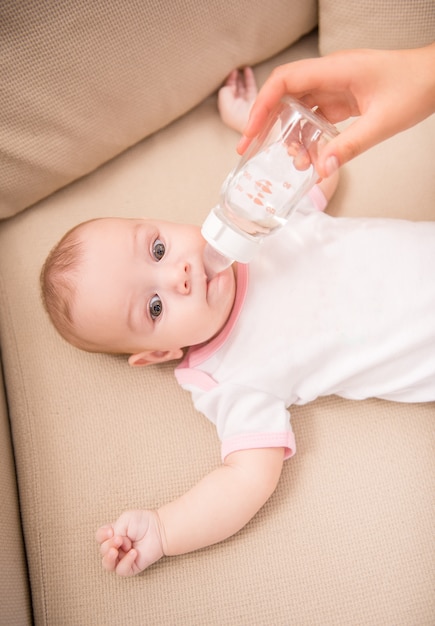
{"points": [[126, 565], [113, 542], [104, 533], [110, 559]]}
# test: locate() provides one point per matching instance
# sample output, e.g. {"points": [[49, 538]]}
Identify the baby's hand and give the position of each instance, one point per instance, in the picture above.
{"points": [[236, 98], [132, 543]]}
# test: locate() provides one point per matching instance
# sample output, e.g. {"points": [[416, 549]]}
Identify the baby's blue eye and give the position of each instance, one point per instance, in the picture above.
{"points": [[158, 249], [156, 307]]}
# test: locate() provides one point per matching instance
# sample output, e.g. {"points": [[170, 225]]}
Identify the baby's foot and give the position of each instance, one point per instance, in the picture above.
{"points": [[236, 98]]}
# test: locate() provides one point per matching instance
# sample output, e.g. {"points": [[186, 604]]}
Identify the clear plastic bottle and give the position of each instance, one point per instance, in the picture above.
{"points": [[262, 191]]}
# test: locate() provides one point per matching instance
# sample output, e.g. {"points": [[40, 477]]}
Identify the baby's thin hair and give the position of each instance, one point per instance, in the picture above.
{"points": [[58, 284]]}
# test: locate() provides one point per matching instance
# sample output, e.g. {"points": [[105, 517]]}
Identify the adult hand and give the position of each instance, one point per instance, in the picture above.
{"points": [[389, 91]]}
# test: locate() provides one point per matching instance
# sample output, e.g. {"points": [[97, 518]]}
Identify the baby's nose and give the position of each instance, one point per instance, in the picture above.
{"points": [[181, 278]]}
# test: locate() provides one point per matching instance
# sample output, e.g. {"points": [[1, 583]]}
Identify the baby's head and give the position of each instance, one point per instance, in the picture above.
{"points": [[135, 286]]}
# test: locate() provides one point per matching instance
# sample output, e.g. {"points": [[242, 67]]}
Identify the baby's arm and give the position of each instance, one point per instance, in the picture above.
{"points": [[214, 509], [236, 97]]}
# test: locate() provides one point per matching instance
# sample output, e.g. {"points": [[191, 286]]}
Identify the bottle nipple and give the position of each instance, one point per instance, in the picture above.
{"points": [[214, 261]]}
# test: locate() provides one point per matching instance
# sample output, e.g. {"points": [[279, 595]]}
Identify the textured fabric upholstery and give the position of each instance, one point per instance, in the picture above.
{"points": [[82, 81], [389, 25]]}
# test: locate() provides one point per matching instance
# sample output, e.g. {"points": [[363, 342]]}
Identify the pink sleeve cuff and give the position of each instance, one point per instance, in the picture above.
{"points": [[317, 197], [261, 440]]}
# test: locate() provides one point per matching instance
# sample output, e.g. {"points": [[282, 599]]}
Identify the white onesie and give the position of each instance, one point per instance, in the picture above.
{"points": [[341, 306]]}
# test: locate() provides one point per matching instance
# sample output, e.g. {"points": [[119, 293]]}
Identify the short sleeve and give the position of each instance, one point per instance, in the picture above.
{"points": [[246, 418]]}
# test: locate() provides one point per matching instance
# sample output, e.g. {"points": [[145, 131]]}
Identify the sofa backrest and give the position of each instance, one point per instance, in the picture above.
{"points": [[382, 24], [82, 81]]}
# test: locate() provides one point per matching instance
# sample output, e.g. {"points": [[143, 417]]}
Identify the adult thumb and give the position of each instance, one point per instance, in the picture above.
{"points": [[355, 139]]}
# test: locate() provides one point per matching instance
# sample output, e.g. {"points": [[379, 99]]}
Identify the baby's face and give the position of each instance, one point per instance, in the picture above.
{"points": [[142, 285]]}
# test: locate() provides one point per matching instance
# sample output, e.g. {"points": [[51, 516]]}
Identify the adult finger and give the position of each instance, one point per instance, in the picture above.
{"points": [[364, 133]]}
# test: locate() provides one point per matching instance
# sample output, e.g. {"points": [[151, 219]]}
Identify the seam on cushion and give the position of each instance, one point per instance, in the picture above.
{"points": [[36, 495]]}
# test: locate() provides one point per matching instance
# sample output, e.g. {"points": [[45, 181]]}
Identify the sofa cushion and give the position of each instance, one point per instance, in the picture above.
{"points": [[390, 24], [82, 81], [346, 538]]}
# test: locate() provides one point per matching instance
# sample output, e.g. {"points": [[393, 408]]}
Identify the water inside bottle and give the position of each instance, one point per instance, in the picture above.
{"points": [[259, 195]]}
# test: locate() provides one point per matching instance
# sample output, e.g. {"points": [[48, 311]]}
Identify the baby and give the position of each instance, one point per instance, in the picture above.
{"points": [[328, 306]]}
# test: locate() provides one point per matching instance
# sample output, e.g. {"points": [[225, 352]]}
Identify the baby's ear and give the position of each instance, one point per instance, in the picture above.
{"points": [[149, 357]]}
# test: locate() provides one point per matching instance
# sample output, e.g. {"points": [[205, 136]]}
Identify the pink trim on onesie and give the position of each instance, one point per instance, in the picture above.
{"points": [[318, 198], [284, 440], [185, 375], [197, 354]]}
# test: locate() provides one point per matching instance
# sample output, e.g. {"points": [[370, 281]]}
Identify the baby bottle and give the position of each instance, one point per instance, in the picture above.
{"points": [[262, 191]]}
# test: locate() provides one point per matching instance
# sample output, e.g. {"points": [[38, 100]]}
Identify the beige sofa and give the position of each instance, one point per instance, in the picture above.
{"points": [[108, 108]]}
